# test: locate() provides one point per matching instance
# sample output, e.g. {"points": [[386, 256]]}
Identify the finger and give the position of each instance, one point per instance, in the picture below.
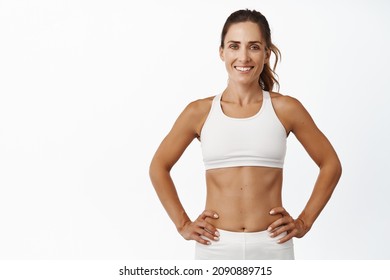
{"points": [[207, 234], [278, 210], [274, 225], [208, 227], [286, 228], [200, 240], [287, 237], [280, 222], [208, 213]]}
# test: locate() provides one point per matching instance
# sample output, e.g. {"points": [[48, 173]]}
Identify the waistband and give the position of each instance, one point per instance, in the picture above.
{"points": [[234, 236]]}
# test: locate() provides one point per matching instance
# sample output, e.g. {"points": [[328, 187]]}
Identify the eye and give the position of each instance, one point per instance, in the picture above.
{"points": [[255, 47], [233, 46]]}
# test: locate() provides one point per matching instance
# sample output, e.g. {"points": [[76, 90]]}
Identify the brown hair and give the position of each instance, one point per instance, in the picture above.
{"points": [[267, 78]]}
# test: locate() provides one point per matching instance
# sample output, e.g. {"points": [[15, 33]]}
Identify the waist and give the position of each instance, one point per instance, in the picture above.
{"points": [[243, 197], [242, 222]]}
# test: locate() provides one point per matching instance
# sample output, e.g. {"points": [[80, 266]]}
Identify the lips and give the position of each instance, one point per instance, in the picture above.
{"points": [[244, 68]]}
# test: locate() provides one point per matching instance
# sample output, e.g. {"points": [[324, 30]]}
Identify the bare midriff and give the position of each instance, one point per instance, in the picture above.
{"points": [[243, 197]]}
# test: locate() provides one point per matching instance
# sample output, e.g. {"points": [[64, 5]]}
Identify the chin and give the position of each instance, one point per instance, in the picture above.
{"points": [[245, 81]]}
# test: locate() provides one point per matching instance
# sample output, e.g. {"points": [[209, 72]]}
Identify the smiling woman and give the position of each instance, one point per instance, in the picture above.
{"points": [[264, 43], [244, 55], [243, 133]]}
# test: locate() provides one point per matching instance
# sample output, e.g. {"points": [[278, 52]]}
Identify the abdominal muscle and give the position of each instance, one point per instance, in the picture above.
{"points": [[243, 197]]}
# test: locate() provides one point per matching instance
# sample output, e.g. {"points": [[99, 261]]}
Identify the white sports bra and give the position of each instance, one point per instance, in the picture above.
{"points": [[259, 140]]}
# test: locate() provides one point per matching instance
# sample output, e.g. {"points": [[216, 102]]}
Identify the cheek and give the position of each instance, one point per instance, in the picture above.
{"points": [[227, 58], [262, 59]]}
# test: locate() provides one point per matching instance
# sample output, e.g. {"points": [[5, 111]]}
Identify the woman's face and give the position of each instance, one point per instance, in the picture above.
{"points": [[244, 53]]}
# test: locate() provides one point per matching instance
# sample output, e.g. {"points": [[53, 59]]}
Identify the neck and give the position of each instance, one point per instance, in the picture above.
{"points": [[243, 93]]}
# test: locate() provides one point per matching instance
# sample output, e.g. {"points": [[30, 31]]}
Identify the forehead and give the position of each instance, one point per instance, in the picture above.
{"points": [[244, 31]]}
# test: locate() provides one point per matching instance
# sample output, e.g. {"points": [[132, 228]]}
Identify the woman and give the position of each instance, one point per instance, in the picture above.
{"points": [[243, 134]]}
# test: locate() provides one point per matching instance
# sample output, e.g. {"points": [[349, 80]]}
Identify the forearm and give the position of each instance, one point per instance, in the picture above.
{"points": [[168, 196], [326, 182]]}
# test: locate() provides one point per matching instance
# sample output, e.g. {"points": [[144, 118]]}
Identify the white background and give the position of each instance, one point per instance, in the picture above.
{"points": [[88, 89]]}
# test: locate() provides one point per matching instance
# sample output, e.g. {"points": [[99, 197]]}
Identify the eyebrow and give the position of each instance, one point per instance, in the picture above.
{"points": [[250, 42]]}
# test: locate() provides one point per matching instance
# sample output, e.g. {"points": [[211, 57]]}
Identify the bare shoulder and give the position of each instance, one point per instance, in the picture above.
{"points": [[290, 111], [285, 103], [199, 108], [194, 115]]}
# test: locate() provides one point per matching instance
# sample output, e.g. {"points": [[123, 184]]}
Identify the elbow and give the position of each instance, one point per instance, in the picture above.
{"points": [[334, 169], [153, 170], [339, 169], [156, 169]]}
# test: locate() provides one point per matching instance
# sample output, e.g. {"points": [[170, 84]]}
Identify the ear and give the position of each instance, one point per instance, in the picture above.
{"points": [[221, 54], [267, 55]]}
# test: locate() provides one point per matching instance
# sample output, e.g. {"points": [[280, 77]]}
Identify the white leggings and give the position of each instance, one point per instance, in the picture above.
{"points": [[245, 246]]}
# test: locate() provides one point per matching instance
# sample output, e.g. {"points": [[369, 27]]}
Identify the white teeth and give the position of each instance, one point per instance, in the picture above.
{"points": [[243, 69]]}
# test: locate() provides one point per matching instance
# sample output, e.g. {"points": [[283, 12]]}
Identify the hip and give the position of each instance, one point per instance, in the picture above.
{"points": [[245, 245]]}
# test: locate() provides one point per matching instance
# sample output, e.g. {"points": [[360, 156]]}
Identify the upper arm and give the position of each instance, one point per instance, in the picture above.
{"points": [[183, 132], [299, 122]]}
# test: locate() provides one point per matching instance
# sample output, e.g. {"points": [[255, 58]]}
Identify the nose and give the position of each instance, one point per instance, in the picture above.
{"points": [[244, 55]]}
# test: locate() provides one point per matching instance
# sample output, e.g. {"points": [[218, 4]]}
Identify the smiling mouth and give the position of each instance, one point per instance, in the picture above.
{"points": [[244, 69]]}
